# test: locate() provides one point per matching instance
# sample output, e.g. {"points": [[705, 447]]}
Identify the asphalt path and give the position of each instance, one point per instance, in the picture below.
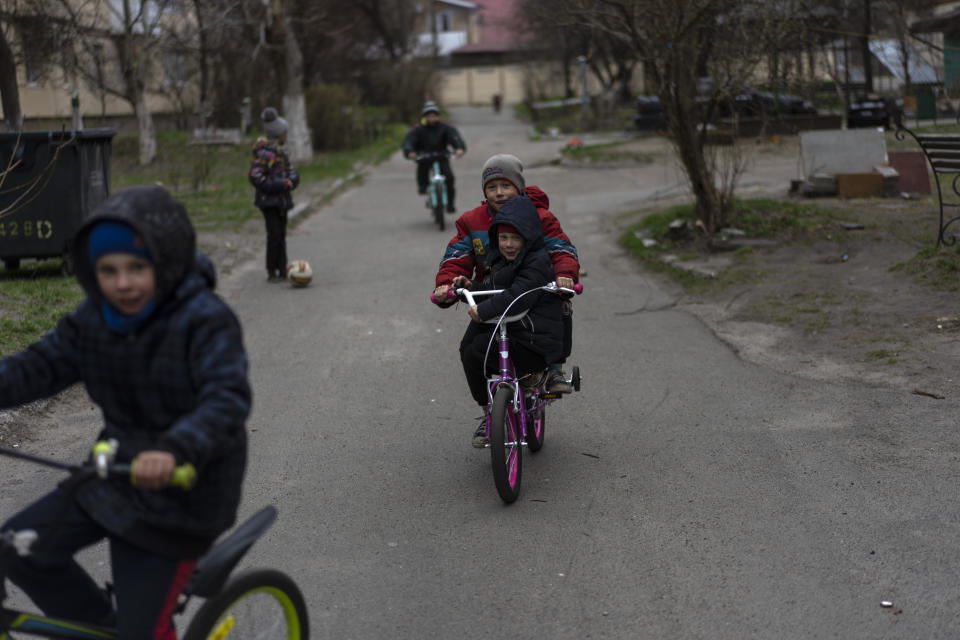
{"points": [[683, 493]]}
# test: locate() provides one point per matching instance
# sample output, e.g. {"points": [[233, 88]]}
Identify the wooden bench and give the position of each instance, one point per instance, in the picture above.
{"points": [[943, 153]]}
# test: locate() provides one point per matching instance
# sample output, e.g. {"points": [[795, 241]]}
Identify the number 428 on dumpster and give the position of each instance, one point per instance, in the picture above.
{"points": [[41, 229]]}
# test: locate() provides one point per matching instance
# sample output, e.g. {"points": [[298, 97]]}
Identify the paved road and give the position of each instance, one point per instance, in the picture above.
{"points": [[683, 493]]}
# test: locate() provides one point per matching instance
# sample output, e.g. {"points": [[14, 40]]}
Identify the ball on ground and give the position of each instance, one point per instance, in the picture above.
{"points": [[299, 273]]}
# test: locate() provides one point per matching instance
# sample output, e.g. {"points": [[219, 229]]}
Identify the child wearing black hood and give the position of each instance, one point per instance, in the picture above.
{"points": [[162, 356], [517, 263]]}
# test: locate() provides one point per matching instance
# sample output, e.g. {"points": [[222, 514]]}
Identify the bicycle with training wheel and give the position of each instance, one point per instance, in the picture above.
{"points": [[437, 198], [254, 603], [517, 402]]}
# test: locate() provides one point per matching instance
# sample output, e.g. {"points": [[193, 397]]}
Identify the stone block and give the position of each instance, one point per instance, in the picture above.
{"points": [[842, 151]]}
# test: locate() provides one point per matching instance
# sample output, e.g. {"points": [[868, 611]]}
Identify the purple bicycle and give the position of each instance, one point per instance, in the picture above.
{"points": [[517, 402]]}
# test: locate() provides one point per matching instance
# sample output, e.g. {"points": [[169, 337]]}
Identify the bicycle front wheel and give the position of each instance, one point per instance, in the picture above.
{"points": [[506, 454], [258, 603], [438, 214]]}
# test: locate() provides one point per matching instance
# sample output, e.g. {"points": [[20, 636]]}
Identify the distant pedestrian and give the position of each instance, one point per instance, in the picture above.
{"points": [[274, 178]]}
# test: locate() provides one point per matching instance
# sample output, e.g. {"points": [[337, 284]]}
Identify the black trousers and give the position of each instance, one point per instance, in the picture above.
{"points": [[423, 177], [146, 584], [473, 346], [275, 219]]}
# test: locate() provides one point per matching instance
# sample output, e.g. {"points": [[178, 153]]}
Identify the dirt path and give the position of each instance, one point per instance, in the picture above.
{"points": [[833, 309]]}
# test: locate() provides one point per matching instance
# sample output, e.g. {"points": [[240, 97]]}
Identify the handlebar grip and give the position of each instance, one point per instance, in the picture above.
{"points": [[578, 288], [184, 475]]}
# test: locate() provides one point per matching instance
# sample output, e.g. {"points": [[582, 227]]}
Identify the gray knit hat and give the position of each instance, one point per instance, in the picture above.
{"points": [[430, 107], [273, 125], [506, 166]]}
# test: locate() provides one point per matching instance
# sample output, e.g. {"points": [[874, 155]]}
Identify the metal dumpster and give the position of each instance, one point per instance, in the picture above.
{"points": [[50, 181]]}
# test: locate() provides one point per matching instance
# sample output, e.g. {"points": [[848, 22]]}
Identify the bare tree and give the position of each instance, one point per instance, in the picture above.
{"points": [[680, 41]]}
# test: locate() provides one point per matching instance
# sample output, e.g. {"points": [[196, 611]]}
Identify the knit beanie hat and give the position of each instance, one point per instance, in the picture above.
{"points": [[273, 125], [111, 236], [430, 107], [506, 166], [508, 228]]}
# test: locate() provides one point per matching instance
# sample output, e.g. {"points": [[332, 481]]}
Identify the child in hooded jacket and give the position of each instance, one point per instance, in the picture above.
{"points": [[501, 179], [274, 177], [163, 357], [517, 262]]}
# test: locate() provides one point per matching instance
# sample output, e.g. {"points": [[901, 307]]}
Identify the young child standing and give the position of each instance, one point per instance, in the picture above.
{"points": [[163, 357], [517, 262], [274, 178]]}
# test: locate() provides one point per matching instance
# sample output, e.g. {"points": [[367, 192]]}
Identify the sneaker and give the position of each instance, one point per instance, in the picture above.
{"points": [[480, 435], [451, 208], [275, 278], [557, 382]]}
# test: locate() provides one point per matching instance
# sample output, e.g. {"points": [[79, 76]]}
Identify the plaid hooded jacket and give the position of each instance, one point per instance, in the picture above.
{"points": [[178, 383]]}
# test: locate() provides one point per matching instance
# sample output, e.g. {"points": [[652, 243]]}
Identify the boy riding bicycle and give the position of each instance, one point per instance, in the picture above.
{"points": [[517, 262], [433, 135], [501, 179], [163, 357]]}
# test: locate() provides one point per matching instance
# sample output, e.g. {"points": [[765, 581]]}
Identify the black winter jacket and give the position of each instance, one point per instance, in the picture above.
{"points": [[541, 329], [423, 138], [178, 383]]}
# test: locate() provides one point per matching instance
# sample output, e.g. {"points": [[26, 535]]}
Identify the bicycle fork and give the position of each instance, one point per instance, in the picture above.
{"points": [[507, 377]]}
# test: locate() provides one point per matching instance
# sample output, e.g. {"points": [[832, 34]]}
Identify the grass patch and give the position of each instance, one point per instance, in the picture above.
{"points": [[607, 152], [650, 239], [936, 267], [32, 299], [212, 182], [887, 356]]}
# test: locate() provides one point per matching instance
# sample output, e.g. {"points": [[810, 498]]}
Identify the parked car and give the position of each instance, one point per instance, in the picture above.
{"points": [[752, 102], [874, 111], [649, 115]]}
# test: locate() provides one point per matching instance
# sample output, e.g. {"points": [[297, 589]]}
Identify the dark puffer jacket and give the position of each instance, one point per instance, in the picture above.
{"points": [[541, 329], [269, 169], [178, 383]]}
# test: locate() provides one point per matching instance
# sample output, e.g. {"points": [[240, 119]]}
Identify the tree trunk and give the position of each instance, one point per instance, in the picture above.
{"points": [[294, 106], [9, 92], [145, 133]]}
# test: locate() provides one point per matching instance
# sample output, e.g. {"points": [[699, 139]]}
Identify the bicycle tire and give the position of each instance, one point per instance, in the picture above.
{"points": [[506, 453], [257, 603], [536, 424], [438, 216]]}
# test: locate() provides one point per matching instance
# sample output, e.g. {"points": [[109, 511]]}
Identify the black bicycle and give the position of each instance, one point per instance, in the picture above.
{"points": [[255, 603]]}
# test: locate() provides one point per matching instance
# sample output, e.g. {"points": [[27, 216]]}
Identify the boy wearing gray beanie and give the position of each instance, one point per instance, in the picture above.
{"points": [[501, 179]]}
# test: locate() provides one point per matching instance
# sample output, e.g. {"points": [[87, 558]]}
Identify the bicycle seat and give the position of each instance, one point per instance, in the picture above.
{"points": [[215, 566]]}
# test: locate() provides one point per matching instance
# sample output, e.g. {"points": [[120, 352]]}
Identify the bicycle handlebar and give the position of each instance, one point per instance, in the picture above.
{"points": [[467, 294], [184, 476], [430, 155]]}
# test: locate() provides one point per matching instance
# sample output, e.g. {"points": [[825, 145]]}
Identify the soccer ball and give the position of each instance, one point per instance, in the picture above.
{"points": [[299, 273]]}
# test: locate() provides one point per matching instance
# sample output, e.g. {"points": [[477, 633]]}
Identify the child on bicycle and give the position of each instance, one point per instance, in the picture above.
{"points": [[501, 179], [163, 357], [517, 262], [433, 135]]}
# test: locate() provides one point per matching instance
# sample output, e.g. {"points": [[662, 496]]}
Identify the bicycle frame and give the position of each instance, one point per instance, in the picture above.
{"points": [[35, 624]]}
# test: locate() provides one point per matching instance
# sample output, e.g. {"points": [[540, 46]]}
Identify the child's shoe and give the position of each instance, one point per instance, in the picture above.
{"points": [[557, 382], [480, 435]]}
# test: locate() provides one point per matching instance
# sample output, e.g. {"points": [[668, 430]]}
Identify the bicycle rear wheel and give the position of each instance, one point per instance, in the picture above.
{"points": [[506, 454], [536, 423], [258, 603]]}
